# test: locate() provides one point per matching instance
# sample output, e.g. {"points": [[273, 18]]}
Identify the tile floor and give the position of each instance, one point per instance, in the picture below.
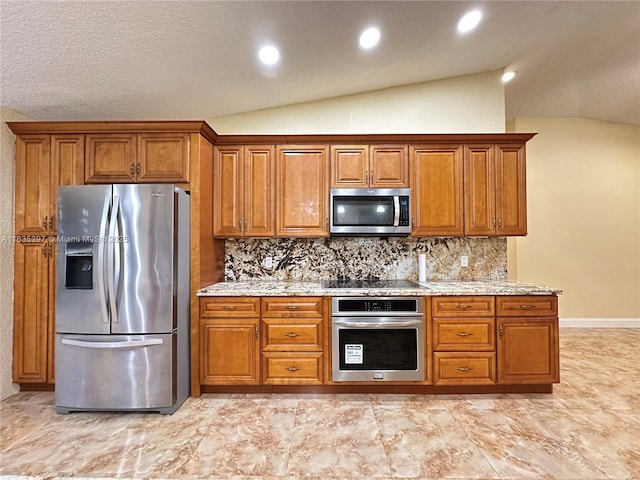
{"points": [[589, 428]]}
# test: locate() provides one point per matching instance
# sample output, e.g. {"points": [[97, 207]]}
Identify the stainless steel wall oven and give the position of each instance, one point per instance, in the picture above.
{"points": [[377, 339]]}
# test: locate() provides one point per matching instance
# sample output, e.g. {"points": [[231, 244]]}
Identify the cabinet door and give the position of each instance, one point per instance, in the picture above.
{"points": [[31, 311], [389, 166], [259, 166], [33, 179], [110, 158], [436, 184], [227, 191], [162, 158], [479, 190], [302, 191], [511, 195], [229, 352], [67, 168], [528, 350], [349, 166]]}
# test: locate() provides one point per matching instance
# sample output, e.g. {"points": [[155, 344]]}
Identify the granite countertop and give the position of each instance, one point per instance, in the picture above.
{"points": [[293, 288]]}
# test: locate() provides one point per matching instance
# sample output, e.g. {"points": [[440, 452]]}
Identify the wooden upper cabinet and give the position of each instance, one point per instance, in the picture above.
{"points": [[495, 193], [302, 184], [163, 158], [364, 166], [436, 185], [243, 191], [511, 189], [110, 158], [42, 163], [389, 166], [131, 158], [349, 166], [33, 180]]}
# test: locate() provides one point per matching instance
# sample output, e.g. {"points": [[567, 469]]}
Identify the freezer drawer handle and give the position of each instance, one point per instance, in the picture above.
{"points": [[132, 343]]}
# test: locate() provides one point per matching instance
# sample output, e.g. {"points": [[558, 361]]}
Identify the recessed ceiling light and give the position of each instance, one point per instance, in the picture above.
{"points": [[469, 21], [370, 37], [506, 76], [269, 55]]}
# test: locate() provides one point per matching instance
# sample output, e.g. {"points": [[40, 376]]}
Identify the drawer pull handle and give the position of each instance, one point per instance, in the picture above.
{"points": [[292, 307], [465, 369], [230, 307], [527, 306], [292, 369], [463, 307], [291, 335], [464, 334]]}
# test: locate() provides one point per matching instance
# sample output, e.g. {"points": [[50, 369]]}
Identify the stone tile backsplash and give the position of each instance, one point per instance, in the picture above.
{"points": [[363, 257]]}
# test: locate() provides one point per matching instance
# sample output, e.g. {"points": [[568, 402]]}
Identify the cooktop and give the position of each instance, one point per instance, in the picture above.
{"points": [[368, 283]]}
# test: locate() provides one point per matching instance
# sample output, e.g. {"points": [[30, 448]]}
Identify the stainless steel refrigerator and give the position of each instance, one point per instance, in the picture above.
{"points": [[122, 298]]}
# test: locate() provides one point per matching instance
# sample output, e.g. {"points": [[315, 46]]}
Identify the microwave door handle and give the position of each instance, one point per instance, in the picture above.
{"points": [[396, 210]]}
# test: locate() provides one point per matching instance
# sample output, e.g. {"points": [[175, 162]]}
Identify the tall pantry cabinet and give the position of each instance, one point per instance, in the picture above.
{"points": [[43, 162]]}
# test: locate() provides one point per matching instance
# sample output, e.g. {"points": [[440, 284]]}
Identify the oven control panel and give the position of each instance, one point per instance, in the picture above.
{"points": [[376, 305]]}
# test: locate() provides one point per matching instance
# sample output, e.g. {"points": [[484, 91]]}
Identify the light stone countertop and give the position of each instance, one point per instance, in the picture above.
{"points": [[294, 288]]}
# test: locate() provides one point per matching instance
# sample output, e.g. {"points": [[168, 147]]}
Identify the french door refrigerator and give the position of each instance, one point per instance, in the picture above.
{"points": [[122, 298]]}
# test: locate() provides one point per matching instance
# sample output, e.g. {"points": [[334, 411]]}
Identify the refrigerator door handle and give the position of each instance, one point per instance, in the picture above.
{"points": [[100, 272], [112, 257], [129, 344]]}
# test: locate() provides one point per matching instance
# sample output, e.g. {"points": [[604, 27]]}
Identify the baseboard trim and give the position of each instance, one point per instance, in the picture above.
{"points": [[599, 322]]}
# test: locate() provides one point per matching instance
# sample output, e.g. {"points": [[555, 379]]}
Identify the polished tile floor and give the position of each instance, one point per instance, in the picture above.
{"points": [[589, 428]]}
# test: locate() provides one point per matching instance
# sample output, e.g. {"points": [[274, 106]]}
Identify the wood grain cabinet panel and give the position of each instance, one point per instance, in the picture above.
{"points": [[230, 352], [243, 203], [464, 368], [463, 306], [389, 166], [470, 334], [369, 166], [162, 158], [33, 180], [302, 185], [292, 307], [291, 368], [527, 306], [349, 166], [229, 307], [284, 334], [495, 190], [436, 184], [110, 158]]}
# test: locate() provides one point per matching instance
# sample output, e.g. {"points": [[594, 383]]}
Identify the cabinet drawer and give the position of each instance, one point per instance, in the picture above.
{"points": [[466, 334], [230, 307], [464, 368], [292, 368], [463, 306], [289, 307], [527, 306], [291, 334]]}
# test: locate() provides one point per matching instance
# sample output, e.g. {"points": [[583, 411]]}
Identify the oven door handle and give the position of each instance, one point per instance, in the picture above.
{"points": [[380, 324]]}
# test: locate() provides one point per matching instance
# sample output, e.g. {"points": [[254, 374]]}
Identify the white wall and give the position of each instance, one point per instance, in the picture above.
{"points": [[7, 168], [468, 104], [583, 180]]}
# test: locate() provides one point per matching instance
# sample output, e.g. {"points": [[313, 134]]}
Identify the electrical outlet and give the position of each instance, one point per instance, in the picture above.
{"points": [[464, 261], [268, 262]]}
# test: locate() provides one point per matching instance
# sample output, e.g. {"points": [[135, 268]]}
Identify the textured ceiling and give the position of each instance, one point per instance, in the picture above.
{"points": [[107, 60]]}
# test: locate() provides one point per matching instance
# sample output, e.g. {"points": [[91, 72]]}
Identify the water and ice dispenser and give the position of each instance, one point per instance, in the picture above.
{"points": [[79, 265]]}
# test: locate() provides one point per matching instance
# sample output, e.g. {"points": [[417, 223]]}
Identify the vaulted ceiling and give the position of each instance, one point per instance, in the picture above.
{"points": [[103, 60]]}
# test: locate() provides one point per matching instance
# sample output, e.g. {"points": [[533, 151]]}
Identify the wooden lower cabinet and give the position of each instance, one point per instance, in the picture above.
{"points": [[528, 342], [229, 341], [464, 368], [292, 368]]}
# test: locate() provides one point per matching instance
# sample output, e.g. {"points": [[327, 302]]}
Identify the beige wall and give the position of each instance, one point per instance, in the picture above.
{"points": [[472, 103], [7, 163], [583, 179]]}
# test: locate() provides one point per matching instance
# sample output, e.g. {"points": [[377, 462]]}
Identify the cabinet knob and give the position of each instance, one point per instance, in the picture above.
{"points": [[132, 170], [463, 307], [366, 177], [45, 222], [230, 307], [464, 334], [527, 306], [465, 369], [51, 223], [292, 307], [137, 169], [499, 224], [291, 334], [292, 369], [500, 330]]}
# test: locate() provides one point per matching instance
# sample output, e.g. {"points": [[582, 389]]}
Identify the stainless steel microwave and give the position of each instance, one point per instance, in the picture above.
{"points": [[377, 211]]}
